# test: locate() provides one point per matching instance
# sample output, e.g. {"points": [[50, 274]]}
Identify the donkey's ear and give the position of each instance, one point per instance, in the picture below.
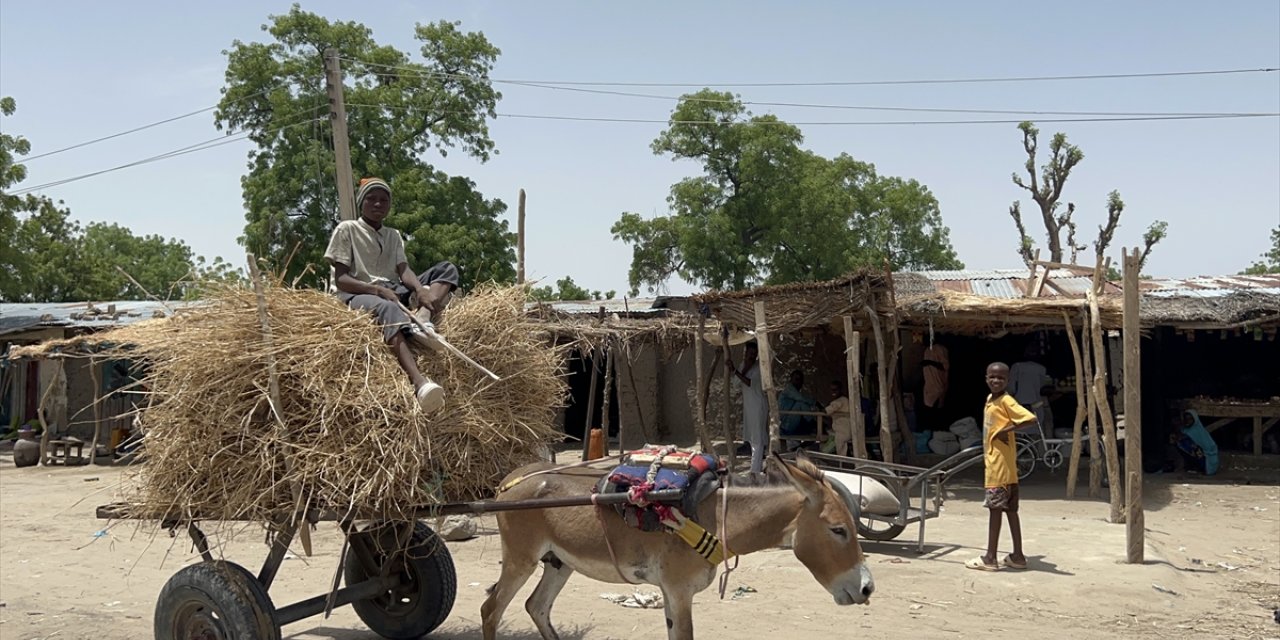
{"points": [[803, 482]]}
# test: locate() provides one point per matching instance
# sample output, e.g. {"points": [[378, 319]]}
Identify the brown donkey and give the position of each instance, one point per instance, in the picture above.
{"points": [[761, 511]]}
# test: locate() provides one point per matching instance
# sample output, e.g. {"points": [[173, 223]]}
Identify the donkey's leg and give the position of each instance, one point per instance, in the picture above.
{"points": [[555, 574], [515, 572], [677, 603]]}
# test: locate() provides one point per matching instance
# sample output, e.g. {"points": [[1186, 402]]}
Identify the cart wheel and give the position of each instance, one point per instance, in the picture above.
{"points": [[872, 529], [1053, 457], [215, 600], [429, 582], [1026, 459]]}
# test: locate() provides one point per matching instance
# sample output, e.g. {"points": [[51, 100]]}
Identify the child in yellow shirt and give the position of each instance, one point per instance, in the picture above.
{"points": [[1001, 415]]}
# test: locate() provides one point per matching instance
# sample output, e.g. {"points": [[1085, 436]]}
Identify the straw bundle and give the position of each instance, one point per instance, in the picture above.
{"points": [[349, 433]]}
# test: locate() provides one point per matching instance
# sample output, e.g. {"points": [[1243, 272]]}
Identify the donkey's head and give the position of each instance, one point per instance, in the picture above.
{"points": [[826, 535]]}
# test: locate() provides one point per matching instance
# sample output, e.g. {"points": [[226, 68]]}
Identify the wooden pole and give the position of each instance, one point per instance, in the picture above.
{"points": [[700, 400], [605, 423], [591, 408], [1134, 518], [766, 376], [1091, 414], [520, 241], [853, 371], [97, 410], [1082, 405], [729, 440], [341, 144], [277, 407], [886, 433], [1104, 410]]}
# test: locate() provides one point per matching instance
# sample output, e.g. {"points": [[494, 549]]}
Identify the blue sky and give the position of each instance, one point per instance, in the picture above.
{"points": [[80, 70]]}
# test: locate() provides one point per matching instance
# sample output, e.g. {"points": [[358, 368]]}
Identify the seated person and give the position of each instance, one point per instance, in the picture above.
{"points": [[1194, 443], [792, 399]]}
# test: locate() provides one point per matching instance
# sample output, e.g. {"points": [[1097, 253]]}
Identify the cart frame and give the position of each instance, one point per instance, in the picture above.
{"points": [[383, 576], [903, 480]]}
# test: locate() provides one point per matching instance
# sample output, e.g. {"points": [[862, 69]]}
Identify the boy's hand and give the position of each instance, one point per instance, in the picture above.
{"points": [[1005, 436]]}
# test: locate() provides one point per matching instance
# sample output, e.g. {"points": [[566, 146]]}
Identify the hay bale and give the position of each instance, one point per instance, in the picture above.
{"points": [[349, 422]]}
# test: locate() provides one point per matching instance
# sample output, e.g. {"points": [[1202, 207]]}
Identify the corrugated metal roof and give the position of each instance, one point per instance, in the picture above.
{"points": [[1008, 283], [1211, 286], [97, 315]]}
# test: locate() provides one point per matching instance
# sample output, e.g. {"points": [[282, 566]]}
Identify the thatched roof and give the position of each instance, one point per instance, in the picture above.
{"points": [[1226, 311], [791, 307], [973, 314]]}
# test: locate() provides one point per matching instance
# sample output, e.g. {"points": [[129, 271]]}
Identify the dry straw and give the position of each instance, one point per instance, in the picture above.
{"points": [[357, 442]]}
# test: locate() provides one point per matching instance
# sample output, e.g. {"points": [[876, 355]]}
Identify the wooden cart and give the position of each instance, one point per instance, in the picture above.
{"points": [[399, 576], [904, 481]]}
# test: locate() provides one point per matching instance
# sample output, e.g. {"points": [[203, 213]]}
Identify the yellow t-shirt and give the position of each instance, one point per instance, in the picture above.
{"points": [[1000, 453], [371, 254]]}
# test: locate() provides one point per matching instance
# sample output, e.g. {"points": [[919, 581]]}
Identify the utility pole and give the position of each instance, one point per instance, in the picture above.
{"points": [[341, 147], [520, 242]]}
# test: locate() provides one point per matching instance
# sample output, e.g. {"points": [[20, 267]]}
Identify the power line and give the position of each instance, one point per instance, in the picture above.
{"points": [[577, 89], [866, 123], [137, 129], [199, 146], [868, 83]]}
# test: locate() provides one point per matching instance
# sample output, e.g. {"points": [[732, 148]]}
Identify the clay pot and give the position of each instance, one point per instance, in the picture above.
{"points": [[26, 451]]}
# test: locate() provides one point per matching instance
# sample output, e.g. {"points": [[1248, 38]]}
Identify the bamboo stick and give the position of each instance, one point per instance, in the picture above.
{"points": [[700, 400], [1104, 412], [97, 410], [605, 422], [591, 409], [729, 440]]}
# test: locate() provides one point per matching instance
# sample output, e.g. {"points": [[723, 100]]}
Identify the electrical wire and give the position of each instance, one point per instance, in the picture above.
{"points": [[867, 123], [137, 129], [199, 146], [867, 83], [576, 89]]}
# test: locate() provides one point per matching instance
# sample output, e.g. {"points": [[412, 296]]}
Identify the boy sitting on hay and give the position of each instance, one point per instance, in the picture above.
{"points": [[371, 272]]}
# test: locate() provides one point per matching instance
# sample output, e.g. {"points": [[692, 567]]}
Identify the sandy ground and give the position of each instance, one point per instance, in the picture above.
{"points": [[1215, 544]]}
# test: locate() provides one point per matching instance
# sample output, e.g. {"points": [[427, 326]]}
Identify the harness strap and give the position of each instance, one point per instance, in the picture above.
{"points": [[517, 480], [604, 533]]}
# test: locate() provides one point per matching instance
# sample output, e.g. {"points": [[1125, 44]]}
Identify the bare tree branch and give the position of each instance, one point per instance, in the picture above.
{"points": [[1115, 206], [1025, 243], [1155, 233]]}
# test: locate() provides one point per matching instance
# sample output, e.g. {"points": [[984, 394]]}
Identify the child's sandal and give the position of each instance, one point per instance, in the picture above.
{"points": [[978, 564], [1009, 563]]}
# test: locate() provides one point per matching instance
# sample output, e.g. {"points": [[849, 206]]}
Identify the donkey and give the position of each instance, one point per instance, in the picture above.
{"points": [[760, 511]]}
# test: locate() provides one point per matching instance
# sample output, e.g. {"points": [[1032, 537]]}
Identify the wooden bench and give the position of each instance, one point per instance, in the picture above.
{"points": [[60, 451]]}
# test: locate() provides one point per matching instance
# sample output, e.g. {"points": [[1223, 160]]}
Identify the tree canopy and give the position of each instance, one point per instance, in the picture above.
{"points": [[567, 289], [397, 110], [764, 210], [49, 257], [1270, 262]]}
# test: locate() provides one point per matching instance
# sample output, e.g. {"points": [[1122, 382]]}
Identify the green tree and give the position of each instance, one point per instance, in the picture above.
{"points": [[567, 289], [1046, 191], [766, 211], [49, 257], [398, 110], [1270, 262]]}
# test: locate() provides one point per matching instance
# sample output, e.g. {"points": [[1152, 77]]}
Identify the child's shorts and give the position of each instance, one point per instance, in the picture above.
{"points": [[1002, 498]]}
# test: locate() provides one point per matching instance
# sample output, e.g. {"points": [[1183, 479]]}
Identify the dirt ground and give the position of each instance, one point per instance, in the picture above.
{"points": [[1212, 571]]}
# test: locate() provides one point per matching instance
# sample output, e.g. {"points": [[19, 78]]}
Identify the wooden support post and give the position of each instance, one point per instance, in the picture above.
{"points": [[1104, 409], [341, 145], [605, 422], [520, 241], [97, 410], [591, 408], [1258, 430], [853, 371], [277, 407], [766, 376], [725, 424], [700, 400], [1134, 517], [1082, 405], [886, 433], [1091, 413]]}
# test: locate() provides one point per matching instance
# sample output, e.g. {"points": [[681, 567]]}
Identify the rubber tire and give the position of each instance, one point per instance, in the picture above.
{"points": [[1025, 454], [865, 530], [430, 567], [242, 606]]}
